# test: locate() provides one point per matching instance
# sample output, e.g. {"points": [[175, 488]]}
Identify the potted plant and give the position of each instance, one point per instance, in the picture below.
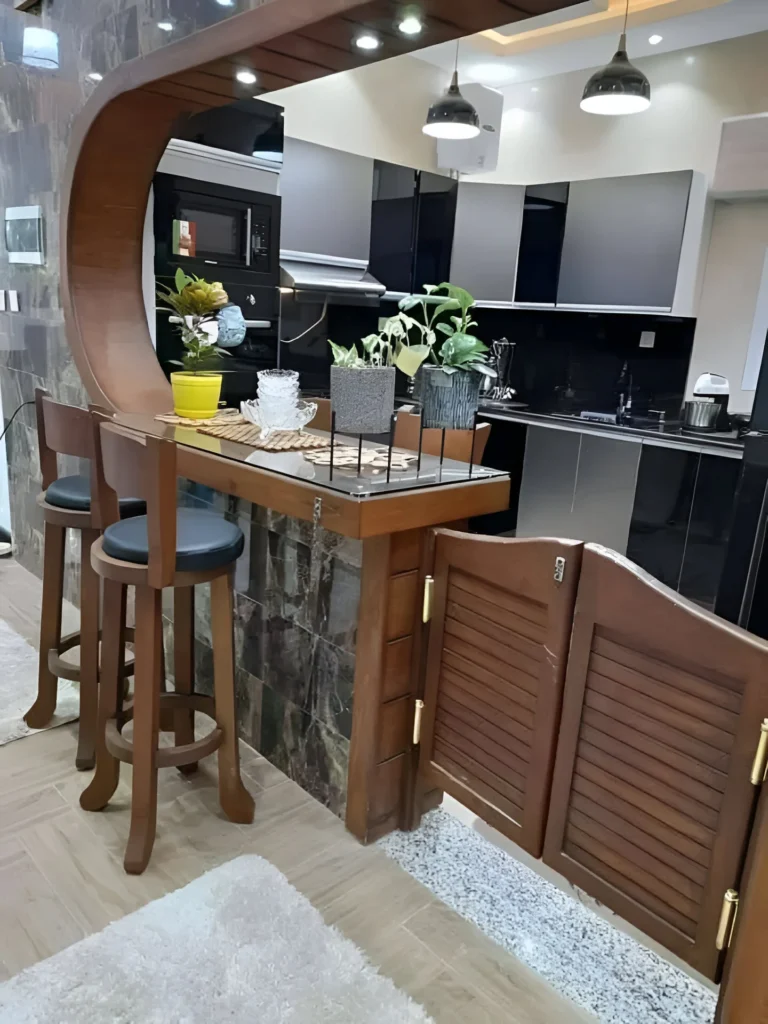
{"points": [[195, 303], [363, 387], [450, 381]]}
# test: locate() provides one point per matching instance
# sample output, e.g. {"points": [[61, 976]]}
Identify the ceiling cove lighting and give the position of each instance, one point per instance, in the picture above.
{"points": [[246, 77], [655, 40], [367, 41], [226, 3], [619, 87], [411, 26], [452, 117]]}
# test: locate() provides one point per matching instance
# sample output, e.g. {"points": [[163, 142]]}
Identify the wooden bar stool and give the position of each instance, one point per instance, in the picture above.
{"points": [[165, 548], [66, 505]]}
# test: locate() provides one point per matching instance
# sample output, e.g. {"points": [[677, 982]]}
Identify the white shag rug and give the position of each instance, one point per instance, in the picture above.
{"points": [[18, 688], [239, 944]]}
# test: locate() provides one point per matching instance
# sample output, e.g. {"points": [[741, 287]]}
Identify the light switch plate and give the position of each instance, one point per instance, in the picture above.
{"points": [[13, 301]]}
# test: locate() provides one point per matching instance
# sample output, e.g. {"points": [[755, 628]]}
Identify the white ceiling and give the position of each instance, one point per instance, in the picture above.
{"points": [[731, 19]]}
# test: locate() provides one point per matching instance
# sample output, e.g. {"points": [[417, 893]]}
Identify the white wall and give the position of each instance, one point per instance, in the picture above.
{"points": [[729, 297], [377, 110], [547, 137]]}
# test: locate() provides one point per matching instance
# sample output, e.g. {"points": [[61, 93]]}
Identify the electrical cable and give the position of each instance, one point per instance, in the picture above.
{"points": [[290, 341], [10, 421]]}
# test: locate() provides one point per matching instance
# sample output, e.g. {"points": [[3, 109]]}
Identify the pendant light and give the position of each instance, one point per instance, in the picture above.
{"points": [[619, 87], [452, 117]]}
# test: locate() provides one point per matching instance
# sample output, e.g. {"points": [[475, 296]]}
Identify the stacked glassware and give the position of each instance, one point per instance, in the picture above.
{"points": [[278, 406]]}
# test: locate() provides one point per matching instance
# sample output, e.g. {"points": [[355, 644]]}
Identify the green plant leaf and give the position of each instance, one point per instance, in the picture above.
{"points": [[408, 302], [445, 329], [445, 306], [461, 295], [450, 370], [181, 280], [483, 368], [429, 288], [410, 358], [370, 342]]}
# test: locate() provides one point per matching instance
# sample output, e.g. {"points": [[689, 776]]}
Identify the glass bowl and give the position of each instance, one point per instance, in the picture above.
{"points": [[270, 417]]}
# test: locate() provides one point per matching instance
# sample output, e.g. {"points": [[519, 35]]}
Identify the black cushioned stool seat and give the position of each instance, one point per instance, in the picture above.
{"points": [[74, 493], [204, 541]]}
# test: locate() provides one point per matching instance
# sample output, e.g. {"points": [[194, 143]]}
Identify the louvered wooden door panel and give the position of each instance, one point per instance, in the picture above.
{"points": [[498, 645], [651, 797]]}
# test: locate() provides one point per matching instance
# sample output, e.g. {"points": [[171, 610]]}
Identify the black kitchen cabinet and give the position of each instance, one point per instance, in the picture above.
{"points": [[393, 225], [623, 239], [666, 481], [412, 225], [435, 219], [709, 528], [541, 243]]}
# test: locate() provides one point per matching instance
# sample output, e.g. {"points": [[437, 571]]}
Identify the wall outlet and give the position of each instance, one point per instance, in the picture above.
{"points": [[647, 339]]}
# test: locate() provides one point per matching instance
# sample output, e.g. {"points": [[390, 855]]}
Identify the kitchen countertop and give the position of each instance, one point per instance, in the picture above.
{"points": [[666, 434]]}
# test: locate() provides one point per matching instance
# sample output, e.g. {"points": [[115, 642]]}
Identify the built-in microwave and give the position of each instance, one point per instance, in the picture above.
{"points": [[200, 226]]}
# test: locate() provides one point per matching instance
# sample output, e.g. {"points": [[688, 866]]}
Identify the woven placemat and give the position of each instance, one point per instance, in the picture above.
{"points": [[278, 440], [222, 416]]}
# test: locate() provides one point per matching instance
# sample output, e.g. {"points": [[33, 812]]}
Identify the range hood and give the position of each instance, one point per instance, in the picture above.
{"points": [[325, 235], [313, 276]]}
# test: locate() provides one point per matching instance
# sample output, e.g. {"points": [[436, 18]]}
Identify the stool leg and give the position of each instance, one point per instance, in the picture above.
{"points": [[111, 686], [184, 665], [146, 725], [42, 711], [236, 802], [89, 654]]}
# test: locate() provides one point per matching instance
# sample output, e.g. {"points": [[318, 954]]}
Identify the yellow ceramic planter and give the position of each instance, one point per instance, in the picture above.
{"points": [[196, 395]]}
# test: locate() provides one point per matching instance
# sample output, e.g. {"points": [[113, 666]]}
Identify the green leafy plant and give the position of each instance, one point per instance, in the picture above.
{"points": [[195, 304], [390, 347], [460, 349]]}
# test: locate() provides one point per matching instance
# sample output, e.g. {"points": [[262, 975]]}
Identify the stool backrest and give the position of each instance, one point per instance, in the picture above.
{"points": [[61, 430], [127, 464]]}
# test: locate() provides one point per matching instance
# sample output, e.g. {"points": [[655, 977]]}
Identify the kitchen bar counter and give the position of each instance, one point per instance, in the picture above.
{"points": [[668, 435], [328, 609]]}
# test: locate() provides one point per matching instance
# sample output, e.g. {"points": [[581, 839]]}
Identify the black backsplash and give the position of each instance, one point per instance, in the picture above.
{"points": [[567, 361]]}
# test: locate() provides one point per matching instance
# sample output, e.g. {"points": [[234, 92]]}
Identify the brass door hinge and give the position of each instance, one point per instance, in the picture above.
{"points": [[760, 764], [429, 591], [727, 919], [417, 722]]}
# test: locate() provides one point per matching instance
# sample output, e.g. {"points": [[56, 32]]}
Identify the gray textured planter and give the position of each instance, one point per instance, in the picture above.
{"points": [[363, 399], [449, 400]]}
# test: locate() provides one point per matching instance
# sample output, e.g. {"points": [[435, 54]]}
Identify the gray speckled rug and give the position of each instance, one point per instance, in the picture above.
{"points": [[579, 953]]}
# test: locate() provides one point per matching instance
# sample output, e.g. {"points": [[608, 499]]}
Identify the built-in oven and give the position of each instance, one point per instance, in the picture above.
{"points": [[212, 230]]}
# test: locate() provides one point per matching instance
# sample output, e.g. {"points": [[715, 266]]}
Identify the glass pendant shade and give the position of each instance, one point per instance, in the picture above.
{"points": [[452, 117], [618, 88]]}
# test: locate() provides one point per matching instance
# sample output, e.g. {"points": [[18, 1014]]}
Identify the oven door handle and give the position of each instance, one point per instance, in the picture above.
{"points": [[248, 239]]}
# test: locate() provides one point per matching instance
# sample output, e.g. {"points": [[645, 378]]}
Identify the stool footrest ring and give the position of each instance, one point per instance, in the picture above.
{"points": [[62, 669], [167, 757]]}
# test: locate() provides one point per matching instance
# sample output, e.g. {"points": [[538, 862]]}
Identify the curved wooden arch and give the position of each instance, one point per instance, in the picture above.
{"points": [[122, 131]]}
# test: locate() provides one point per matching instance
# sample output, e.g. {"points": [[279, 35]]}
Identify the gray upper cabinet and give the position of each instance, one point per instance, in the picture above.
{"points": [[623, 239], [486, 239], [326, 205]]}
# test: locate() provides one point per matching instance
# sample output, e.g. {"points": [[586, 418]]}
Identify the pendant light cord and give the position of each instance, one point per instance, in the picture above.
{"points": [[626, 18]]}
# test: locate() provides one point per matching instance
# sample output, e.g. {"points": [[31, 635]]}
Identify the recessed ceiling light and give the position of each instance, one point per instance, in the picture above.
{"points": [[655, 40], [411, 26], [95, 76], [226, 3], [246, 77], [165, 26], [367, 41]]}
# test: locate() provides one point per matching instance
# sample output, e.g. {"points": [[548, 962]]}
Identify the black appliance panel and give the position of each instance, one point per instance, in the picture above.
{"points": [[393, 225], [236, 230], [435, 221]]}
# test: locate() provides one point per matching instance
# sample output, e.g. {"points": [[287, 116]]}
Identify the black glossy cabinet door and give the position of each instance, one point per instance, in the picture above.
{"points": [[393, 225], [666, 481], [435, 221], [541, 243], [709, 528]]}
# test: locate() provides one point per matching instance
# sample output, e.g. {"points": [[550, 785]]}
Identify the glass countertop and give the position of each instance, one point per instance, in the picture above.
{"points": [[371, 482]]}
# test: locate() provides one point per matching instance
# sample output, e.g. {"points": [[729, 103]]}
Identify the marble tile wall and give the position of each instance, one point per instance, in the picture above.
{"points": [[297, 591]]}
